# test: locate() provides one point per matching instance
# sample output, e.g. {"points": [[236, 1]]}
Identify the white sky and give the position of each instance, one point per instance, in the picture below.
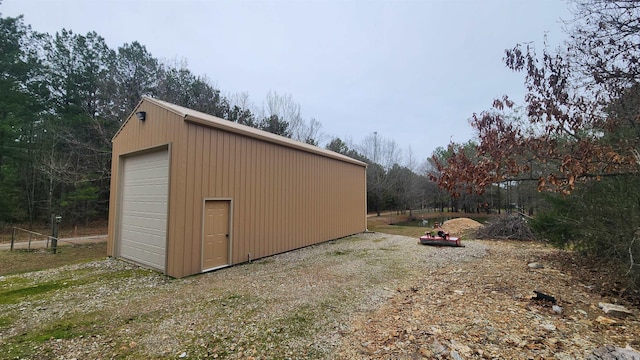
{"points": [[413, 71]]}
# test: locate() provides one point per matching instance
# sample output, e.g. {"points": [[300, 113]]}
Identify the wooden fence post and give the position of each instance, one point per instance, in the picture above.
{"points": [[13, 238]]}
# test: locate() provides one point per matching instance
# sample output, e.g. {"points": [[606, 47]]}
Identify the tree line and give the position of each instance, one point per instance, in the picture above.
{"points": [[63, 97]]}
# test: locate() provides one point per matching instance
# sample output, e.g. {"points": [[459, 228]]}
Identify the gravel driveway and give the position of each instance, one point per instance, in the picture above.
{"points": [[299, 304]]}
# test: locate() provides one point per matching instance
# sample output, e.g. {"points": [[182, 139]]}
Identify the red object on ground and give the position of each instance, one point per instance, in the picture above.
{"points": [[447, 240]]}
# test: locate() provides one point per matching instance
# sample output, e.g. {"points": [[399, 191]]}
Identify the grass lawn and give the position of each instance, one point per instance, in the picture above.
{"points": [[21, 261]]}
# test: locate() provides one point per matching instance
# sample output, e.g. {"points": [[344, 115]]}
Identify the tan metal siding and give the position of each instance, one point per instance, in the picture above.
{"points": [[282, 198]]}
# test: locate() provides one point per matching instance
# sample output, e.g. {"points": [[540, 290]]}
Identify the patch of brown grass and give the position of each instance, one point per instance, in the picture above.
{"points": [[21, 261], [96, 227]]}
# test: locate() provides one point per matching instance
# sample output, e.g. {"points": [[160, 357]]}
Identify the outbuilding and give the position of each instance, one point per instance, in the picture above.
{"points": [[191, 192]]}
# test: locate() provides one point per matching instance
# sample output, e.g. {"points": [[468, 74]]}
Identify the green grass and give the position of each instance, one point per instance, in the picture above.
{"points": [[410, 231], [15, 289], [299, 322], [339, 252], [22, 345], [5, 321], [14, 296]]}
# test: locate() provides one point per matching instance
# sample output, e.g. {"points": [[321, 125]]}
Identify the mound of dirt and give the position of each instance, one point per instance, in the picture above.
{"points": [[461, 226]]}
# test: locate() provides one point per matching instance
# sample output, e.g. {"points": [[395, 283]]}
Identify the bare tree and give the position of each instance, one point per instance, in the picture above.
{"points": [[381, 151], [287, 110]]}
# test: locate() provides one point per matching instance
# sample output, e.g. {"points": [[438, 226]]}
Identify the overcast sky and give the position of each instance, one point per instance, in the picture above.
{"points": [[412, 71]]}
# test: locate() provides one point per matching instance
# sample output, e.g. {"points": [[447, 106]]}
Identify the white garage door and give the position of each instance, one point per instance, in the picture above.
{"points": [[144, 209]]}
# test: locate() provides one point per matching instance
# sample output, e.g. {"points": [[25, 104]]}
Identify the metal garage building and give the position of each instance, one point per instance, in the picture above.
{"points": [[191, 192]]}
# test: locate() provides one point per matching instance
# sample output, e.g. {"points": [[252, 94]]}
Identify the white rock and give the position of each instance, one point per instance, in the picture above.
{"points": [[548, 326], [536, 265], [615, 310]]}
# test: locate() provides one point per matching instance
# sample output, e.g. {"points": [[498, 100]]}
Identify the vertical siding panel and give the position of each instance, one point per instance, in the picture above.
{"points": [[318, 183], [268, 191], [340, 201], [330, 198], [284, 208], [190, 198], [206, 178], [327, 197], [304, 190], [250, 202], [196, 243], [286, 236], [247, 168], [211, 166], [310, 178], [155, 133], [259, 230], [282, 240], [282, 200], [179, 178], [252, 167], [233, 177], [219, 154], [263, 225], [226, 157], [252, 185], [235, 196], [240, 203], [271, 208], [297, 199], [315, 177], [289, 196], [305, 193], [206, 163], [274, 209]]}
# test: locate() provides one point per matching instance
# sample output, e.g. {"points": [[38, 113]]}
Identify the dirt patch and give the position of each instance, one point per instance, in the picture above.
{"points": [[484, 309]]}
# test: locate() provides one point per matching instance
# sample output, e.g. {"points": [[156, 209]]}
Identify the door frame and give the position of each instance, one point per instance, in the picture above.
{"points": [[202, 236]]}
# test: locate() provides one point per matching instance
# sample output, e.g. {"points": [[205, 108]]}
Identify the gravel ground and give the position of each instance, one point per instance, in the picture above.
{"points": [[366, 296], [296, 304]]}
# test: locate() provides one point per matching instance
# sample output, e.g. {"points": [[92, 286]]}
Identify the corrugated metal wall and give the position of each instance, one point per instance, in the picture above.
{"points": [[282, 198]]}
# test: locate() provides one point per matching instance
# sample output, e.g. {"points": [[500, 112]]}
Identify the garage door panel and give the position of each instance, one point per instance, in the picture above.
{"points": [[145, 226], [144, 208], [147, 192], [144, 256]]}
